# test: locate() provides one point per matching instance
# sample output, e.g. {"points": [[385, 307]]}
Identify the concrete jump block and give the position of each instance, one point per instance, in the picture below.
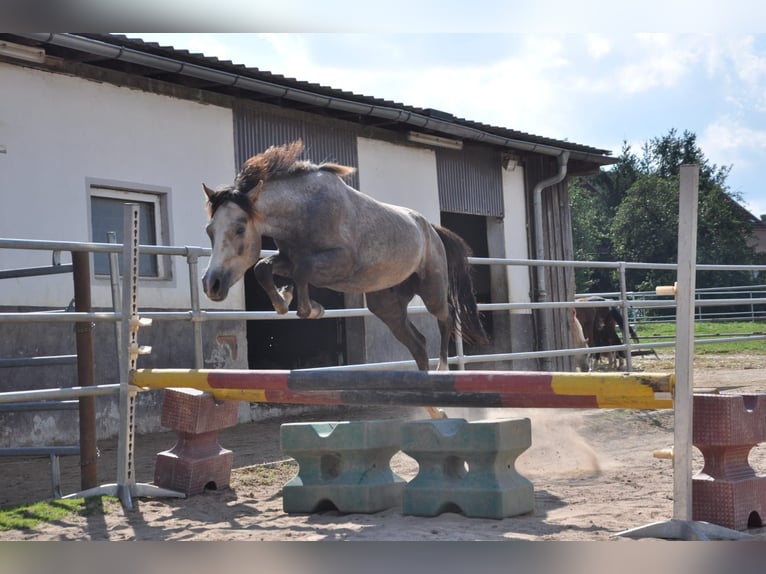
{"points": [[192, 472], [728, 491], [193, 411], [729, 419], [196, 461], [738, 505], [467, 467], [342, 464]]}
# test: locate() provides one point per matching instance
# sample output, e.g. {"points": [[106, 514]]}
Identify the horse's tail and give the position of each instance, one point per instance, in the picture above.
{"points": [[460, 294]]}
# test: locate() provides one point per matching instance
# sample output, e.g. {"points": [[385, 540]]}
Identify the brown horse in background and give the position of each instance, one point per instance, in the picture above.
{"points": [[600, 326]]}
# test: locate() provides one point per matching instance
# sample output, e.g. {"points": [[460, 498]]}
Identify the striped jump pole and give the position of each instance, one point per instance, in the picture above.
{"points": [[481, 389]]}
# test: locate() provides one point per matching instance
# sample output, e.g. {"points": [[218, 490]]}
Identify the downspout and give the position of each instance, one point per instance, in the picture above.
{"points": [[541, 293]]}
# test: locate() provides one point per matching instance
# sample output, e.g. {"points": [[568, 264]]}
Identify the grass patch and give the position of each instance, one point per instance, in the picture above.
{"points": [[703, 331], [268, 474], [29, 516]]}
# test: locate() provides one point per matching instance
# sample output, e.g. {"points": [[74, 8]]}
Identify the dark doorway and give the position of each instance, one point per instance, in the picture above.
{"points": [[473, 229], [293, 343]]}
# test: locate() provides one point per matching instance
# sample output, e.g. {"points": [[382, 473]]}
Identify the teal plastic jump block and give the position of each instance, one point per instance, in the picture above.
{"points": [[343, 464], [467, 467]]}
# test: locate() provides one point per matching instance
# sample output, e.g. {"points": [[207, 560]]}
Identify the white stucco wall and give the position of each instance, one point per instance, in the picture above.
{"points": [[402, 175], [60, 131], [515, 225], [406, 175]]}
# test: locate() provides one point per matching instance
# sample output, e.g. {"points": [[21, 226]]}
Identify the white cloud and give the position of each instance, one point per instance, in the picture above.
{"points": [[655, 61], [733, 142], [598, 45]]}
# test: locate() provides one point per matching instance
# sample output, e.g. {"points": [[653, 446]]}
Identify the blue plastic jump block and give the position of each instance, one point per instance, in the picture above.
{"points": [[467, 467], [342, 464]]}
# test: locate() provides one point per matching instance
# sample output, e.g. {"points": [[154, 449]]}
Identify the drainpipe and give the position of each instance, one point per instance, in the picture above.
{"points": [[541, 294]]}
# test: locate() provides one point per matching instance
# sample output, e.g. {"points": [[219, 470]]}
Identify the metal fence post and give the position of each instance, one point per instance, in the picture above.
{"points": [[625, 318], [191, 260]]}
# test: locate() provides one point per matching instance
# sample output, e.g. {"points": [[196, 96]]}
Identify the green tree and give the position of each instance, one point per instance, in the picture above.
{"points": [[645, 228], [633, 210], [594, 200]]}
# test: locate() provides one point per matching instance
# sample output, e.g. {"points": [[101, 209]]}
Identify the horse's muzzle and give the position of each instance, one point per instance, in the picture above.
{"points": [[216, 284]]}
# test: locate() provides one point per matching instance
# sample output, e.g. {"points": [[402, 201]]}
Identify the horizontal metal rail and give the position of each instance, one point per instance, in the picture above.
{"points": [[629, 303], [40, 451], [44, 361], [52, 452], [35, 271], [40, 406], [60, 317], [61, 393]]}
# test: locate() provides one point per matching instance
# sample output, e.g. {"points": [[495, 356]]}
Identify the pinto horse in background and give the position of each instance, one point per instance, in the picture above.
{"points": [[580, 342], [332, 236], [600, 326]]}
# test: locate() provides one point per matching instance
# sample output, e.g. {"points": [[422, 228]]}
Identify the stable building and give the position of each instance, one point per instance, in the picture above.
{"points": [[91, 121]]}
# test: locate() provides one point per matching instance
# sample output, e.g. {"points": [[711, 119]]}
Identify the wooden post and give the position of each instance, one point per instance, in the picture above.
{"points": [[85, 370]]}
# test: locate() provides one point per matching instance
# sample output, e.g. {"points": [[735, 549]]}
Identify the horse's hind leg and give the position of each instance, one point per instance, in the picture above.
{"points": [[432, 288], [435, 301], [390, 306]]}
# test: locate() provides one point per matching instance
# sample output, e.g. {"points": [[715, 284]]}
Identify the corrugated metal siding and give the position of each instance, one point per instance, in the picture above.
{"points": [[256, 130], [470, 181], [560, 281]]}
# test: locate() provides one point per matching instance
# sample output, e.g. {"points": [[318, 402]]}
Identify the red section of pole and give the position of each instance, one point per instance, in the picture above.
{"points": [[85, 371]]}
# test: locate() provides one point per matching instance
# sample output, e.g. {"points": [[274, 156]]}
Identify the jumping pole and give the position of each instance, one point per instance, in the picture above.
{"points": [[481, 389]]}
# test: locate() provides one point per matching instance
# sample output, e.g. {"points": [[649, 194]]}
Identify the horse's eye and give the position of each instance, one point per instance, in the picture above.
{"points": [[240, 230]]}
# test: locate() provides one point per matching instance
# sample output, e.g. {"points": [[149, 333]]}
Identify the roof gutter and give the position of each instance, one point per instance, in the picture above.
{"points": [[109, 51]]}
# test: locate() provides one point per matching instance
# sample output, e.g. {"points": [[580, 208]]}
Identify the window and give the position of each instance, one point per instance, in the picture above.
{"points": [[106, 214]]}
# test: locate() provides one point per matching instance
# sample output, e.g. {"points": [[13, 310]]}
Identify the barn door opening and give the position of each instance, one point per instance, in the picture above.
{"points": [[473, 229], [293, 343]]}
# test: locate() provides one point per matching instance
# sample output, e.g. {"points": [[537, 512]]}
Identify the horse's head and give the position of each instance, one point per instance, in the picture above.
{"points": [[234, 237]]}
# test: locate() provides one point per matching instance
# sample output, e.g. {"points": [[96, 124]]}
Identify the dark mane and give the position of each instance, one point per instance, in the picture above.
{"points": [[229, 194], [281, 161]]}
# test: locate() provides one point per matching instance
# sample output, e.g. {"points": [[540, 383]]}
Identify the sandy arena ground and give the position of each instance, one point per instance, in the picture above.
{"points": [[593, 471]]}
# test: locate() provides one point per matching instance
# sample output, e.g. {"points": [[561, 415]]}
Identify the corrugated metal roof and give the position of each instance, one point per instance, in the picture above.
{"points": [[280, 79], [595, 155]]}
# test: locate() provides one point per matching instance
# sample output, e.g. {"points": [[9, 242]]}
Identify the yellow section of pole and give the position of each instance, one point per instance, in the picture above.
{"points": [[172, 378], [619, 391]]}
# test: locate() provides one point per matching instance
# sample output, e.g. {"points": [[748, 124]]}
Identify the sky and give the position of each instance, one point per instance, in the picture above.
{"points": [[601, 89]]}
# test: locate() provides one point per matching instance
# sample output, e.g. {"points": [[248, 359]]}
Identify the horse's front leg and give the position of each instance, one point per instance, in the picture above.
{"points": [[318, 268], [307, 308], [264, 272]]}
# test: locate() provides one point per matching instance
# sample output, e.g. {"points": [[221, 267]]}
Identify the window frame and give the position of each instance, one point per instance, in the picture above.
{"points": [[156, 196]]}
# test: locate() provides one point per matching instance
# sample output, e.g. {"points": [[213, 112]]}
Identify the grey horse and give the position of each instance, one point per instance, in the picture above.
{"points": [[332, 236]]}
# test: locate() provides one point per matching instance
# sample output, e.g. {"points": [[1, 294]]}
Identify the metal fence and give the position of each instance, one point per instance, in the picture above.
{"points": [[632, 306], [635, 307]]}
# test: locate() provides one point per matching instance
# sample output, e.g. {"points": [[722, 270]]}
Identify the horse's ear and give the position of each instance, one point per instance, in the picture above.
{"points": [[208, 192]]}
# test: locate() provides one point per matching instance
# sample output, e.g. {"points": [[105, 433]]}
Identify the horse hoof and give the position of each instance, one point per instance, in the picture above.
{"points": [[286, 293], [316, 311]]}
